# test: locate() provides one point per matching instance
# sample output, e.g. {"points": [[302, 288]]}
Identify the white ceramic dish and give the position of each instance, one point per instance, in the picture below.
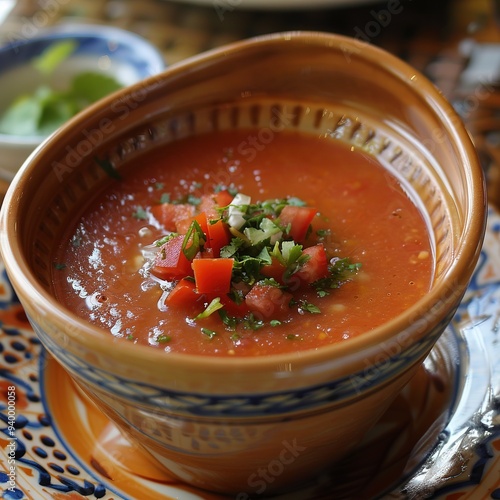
{"points": [[125, 56], [60, 445]]}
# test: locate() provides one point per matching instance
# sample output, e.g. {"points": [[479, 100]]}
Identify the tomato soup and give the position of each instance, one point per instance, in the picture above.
{"points": [[221, 245]]}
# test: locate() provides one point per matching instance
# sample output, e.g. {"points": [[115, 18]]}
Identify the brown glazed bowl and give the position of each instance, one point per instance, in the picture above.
{"points": [[254, 425]]}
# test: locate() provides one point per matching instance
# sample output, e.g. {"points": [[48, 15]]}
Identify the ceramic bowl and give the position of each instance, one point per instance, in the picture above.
{"points": [[255, 425], [125, 56]]}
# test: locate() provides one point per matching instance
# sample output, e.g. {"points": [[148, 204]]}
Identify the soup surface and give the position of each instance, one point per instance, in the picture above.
{"points": [[358, 223]]}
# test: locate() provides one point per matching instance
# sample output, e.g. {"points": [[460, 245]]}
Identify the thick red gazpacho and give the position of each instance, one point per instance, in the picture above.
{"points": [[211, 246]]}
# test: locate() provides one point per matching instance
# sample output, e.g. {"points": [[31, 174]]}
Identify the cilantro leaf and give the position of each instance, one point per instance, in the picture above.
{"points": [[215, 305], [308, 307], [140, 214], [193, 241], [209, 333]]}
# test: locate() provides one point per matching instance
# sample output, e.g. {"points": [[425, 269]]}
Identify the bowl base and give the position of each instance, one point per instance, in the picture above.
{"points": [[400, 441]]}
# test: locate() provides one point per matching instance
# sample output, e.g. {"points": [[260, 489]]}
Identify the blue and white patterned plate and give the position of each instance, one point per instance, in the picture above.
{"points": [[440, 439]]}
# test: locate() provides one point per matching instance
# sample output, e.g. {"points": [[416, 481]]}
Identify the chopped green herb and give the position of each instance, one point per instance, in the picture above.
{"points": [[323, 234], [166, 238], [250, 322], [76, 241], [297, 202], [340, 271], [308, 307], [59, 266], [165, 198], [163, 339], [215, 305], [193, 241], [140, 214], [229, 321], [263, 252], [209, 333], [193, 200]]}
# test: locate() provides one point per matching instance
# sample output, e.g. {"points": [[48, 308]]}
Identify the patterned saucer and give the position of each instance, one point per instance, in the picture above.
{"points": [[440, 438]]}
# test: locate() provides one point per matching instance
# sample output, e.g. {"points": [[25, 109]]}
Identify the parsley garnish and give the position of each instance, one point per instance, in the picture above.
{"points": [[251, 322], [193, 241], [163, 339], [308, 307], [165, 198], [209, 333], [261, 246], [140, 214], [340, 271], [166, 238], [215, 305]]}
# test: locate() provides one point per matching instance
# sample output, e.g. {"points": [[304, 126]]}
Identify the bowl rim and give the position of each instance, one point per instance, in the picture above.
{"points": [[367, 344]]}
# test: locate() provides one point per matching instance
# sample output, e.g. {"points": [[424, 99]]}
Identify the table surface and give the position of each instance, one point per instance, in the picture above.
{"points": [[450, 41]]}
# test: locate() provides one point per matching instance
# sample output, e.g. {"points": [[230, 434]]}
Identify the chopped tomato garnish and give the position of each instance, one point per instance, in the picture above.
{"points": [[218, 236], [182, 226], [207, 253], [275, 270], [268, 301], [170, 262], [168, 214], [264, 240], [183, 294], [223, 198], [232, 308], [317, 265], [213, 276], [299, 219], [208, 205]]}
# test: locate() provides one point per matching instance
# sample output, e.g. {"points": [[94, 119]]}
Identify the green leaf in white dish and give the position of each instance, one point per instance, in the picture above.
{"points": [[53, 56], [93, 86], [23, 115]]}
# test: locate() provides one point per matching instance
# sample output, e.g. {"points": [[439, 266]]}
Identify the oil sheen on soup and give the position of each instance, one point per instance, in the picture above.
{"points": [[220, 245]]}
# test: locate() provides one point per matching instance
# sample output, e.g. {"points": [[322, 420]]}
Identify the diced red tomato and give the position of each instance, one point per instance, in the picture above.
{"points": [[182, 295], [275, 270], [299, 218], [232, 308], [218, 236], [182, 226], [223, 198], [268, 301], [170, 262], [207, 253], [209, 206], [317, 265], [168, 214], [213, 276]]}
